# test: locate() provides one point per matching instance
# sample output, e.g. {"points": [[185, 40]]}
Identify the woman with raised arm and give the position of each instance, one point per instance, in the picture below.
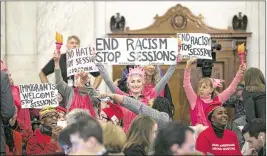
{"points": [[206, 93], [82, 95]]}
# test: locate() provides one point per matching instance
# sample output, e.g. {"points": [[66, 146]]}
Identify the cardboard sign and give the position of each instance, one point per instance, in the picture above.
{"points": [[194, 45], [80, 59], [136, 51], [38, 95]]}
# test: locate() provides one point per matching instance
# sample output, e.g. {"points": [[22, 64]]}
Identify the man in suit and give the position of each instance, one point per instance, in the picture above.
{"points": [[7, 108]]}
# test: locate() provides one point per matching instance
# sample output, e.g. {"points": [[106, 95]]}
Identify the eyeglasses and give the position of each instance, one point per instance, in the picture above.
{"points": [[52, 115]]}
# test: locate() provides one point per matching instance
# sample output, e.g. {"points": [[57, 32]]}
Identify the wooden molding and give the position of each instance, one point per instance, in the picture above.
{"points": [[165, 25]]}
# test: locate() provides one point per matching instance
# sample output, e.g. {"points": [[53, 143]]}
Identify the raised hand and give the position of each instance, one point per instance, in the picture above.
{"points": [[190, 62], [179, 58], [243, 67]]}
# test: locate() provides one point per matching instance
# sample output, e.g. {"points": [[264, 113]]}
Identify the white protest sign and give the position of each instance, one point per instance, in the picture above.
{"points": [[38, 95], [80, 59], [136, 51], [194, 45]]}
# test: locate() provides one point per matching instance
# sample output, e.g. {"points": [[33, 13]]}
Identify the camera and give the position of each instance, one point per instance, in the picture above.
{"points": [[205, 64]]}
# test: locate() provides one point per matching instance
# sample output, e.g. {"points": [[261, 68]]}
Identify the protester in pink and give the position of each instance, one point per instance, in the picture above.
{"points": [[81, 96], [135, 83], [206, 93], [23, 115]]}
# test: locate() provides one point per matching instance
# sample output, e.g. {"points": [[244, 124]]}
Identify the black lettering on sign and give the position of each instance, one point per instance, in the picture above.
{"points": [[106, 44], [163, 43], [129, 42], [69, 54], [132, 57]]}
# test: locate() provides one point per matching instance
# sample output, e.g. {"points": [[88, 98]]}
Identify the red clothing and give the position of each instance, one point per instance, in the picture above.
{"points": [[41, 144], [23, 118], [194, 101], [83, 102], [149, 87], [17, 143], [196, 113], [207, 141]]}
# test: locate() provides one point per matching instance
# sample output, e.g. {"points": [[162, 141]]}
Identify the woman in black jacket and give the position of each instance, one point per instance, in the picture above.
{"points": [[254, 95]]}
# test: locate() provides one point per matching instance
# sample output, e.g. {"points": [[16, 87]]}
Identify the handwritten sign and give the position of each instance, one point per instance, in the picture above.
{"points": [[38, 95], [195, 45], [136, 51], [80, 59]]}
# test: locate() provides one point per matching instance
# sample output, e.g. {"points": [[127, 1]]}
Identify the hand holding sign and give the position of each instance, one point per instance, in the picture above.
{"points": [[242, 67], [84, 77], [179, 58], [190, 62]]}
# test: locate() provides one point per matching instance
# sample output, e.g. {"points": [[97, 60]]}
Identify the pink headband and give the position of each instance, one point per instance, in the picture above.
{"points": [[216, 82], [136, 71]]}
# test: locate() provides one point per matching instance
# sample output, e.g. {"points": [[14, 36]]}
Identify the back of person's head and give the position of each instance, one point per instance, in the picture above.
{"points": [[141, 132], [162, 104], [114, 137], [172, 135], [76, 114], [254, 80], [64, 140], [87, 127], [255, 127]]}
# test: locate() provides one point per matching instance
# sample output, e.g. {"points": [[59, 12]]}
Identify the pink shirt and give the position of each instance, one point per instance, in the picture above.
{"points": [[192, 96]]}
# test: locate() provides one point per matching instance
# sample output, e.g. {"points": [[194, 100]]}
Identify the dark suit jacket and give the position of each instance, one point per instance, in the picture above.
{"points": [[7, 108]]}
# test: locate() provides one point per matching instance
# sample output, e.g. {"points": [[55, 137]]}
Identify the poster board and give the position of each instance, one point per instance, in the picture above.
{"points": [[38, 95]]}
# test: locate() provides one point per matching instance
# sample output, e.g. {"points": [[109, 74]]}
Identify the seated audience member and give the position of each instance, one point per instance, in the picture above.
{"points": [[174, 139], [86, 137], [71, 117], [13, 138], [111, 113], [44, 139], [216, 139], [254, 94], [114, 138], [140, 136], [236, 101], [79, 97], [76, 114], [62, 113], [73, 42], [255, 134], [161, 110]]}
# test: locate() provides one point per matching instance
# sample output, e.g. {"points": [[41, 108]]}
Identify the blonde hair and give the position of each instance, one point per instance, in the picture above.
{"points": [[156, 76], [74, 37], [114, 137], [254, 80], [207, 81], [140, 132]]}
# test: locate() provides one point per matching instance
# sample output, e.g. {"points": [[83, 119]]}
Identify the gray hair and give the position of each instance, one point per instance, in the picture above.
{"points": [[76, 114]]}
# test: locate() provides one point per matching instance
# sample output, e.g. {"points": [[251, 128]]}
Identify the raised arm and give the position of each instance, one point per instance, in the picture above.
{"points": [[190, 93], [106, 78], [62, 86], [165, 79], [225, 95], [138, 108]]}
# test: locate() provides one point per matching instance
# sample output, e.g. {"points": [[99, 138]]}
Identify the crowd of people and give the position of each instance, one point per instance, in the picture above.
{"points": [[136, 116]]}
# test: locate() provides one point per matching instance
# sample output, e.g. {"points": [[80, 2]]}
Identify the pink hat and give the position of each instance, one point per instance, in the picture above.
{"points": [[136, 71], [113, 110]]}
